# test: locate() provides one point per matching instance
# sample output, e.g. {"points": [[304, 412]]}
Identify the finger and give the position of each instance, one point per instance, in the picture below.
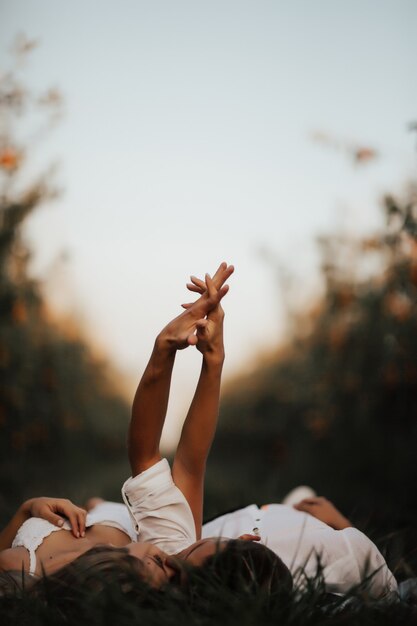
{"points": [[53, 518], [81, 521], [217, 274], [214, 295], [67, 508], [211, 288], [302, 506], [223, 273], [187, 305], [73, 520], [194, 288], [217, 297], [197, 282], [222, 292]]}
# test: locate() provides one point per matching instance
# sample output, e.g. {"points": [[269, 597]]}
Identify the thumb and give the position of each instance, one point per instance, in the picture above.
{"points": [[201, 324], [192, 340]]}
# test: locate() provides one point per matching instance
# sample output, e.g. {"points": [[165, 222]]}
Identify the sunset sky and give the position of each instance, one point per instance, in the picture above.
{"points": [[188, 139]]}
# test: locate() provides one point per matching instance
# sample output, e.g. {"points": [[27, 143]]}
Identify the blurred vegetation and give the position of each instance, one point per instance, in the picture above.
{"points": [[62, 419], [336, 408]]}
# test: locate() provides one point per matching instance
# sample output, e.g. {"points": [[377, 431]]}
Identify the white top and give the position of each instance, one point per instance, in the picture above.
{"points": [[159, 510], [156, 511], [34, 530], [347, 556]]}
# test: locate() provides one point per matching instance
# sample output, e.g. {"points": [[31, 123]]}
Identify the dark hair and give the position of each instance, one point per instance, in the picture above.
{"points": [[99, 574], [98, 565], [13, 582], [249, 565], [95, 585]]}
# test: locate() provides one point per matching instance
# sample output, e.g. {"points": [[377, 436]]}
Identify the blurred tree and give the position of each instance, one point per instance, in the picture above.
{"points": [[336, 409], [62, 419]]}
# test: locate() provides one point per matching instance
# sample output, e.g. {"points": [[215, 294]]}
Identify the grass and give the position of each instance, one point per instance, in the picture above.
{"points": [[204, 602]]}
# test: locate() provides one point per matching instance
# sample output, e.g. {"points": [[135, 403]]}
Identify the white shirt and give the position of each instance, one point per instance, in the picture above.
{"points": [[160, 512], [347, 556]]}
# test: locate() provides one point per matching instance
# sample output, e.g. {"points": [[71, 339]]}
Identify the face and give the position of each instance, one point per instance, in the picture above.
{"points": [[159, 567]]}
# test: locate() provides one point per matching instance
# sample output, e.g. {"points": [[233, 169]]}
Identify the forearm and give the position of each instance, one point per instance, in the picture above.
{"points": [[149, 408], [324, 510], [342, 522], [200, 424], [9, 532]]}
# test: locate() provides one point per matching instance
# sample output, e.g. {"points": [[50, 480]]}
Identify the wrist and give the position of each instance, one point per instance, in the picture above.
{"points": [[164, 345], [160, 363], [26, 507], [344, 523], [214, 359]]}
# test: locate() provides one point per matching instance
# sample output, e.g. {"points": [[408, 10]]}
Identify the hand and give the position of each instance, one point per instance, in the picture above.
{"points": [[325, 511], [56, 511], [210, 335], [210, 330], [206, 303], [181, 332], [197, 285]]}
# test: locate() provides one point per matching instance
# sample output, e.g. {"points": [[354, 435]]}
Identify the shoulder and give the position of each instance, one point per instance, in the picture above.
{"points": [[362, 547], [372, 566], [14, 559]]}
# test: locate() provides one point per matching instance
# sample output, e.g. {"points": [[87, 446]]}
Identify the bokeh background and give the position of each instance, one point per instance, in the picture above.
{"points": [[141, 142]]}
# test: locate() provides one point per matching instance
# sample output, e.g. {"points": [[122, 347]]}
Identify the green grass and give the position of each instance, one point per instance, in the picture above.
{"points": [[204, 602]]}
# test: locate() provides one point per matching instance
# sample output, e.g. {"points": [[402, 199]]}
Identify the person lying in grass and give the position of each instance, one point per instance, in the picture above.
{"points": [[159, 528], [308, 533], [162, 514]]}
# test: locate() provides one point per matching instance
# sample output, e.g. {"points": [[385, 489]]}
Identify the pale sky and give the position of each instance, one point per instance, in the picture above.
{"points": [[187, 141]]}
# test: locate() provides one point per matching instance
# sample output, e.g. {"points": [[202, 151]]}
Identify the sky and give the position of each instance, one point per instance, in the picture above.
{"points": [[187, 140]]}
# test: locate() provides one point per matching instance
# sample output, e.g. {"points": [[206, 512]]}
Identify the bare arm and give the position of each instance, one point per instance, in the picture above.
{"points": [[149, 409], [200, 424], [9, 532], [325, 511], [55, 510], [196, 438], [151, 399]]}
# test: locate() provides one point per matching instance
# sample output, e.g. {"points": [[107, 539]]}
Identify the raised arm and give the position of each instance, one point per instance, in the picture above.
{"points": [[151, 399], [200, 424]]}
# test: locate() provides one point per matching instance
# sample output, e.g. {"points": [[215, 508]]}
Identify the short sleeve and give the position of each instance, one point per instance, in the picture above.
{"points": [[161, 513], [372, 567]]}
